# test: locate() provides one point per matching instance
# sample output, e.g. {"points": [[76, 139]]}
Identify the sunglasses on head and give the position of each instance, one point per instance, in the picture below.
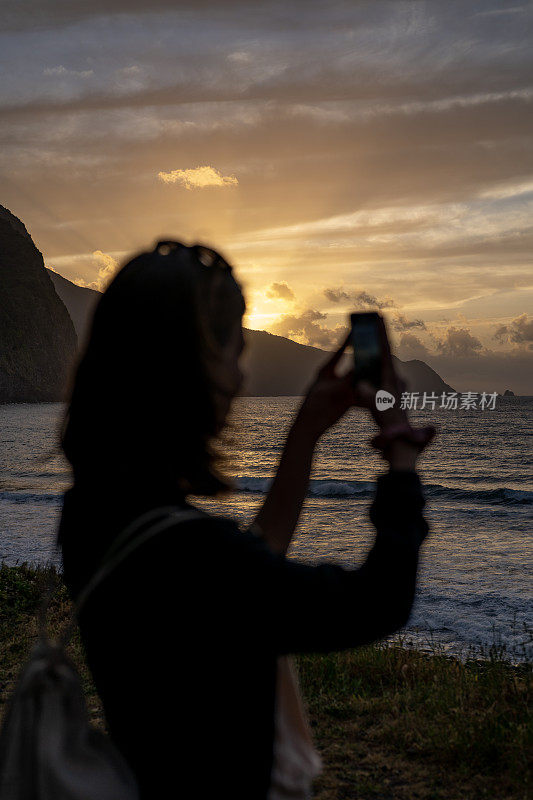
{"points": [[204, 255]]}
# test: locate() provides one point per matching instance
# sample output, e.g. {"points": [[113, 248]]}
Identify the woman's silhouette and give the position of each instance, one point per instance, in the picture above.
{"points": [[184, 637]]}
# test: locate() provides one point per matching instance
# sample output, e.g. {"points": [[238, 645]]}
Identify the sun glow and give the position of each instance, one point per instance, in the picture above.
{"points": [[258, 320]]}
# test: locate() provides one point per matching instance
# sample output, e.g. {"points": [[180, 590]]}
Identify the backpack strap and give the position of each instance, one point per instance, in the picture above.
{"points": [[124, 545]]}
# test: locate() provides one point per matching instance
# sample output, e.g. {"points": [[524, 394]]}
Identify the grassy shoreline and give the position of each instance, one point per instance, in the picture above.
{"points": [[391, 723]]}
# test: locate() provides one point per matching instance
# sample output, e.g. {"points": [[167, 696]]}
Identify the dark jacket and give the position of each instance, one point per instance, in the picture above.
{"points": [[182, 639]]}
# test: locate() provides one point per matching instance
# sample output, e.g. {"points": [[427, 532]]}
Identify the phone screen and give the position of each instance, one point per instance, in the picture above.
{"points": [[366, 345]]}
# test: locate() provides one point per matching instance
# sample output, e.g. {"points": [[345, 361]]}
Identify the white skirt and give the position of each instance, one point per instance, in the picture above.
{"points": [[296, 762]]}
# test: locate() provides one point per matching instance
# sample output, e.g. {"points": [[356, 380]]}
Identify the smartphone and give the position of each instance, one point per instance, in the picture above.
{"points": [[366, 343]]}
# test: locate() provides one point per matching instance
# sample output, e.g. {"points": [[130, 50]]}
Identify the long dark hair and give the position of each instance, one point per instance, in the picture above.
{"points": [[142, 406]]}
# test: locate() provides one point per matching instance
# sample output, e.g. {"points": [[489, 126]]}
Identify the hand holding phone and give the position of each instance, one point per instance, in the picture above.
{"points": [[373, 374], [374, 370]]}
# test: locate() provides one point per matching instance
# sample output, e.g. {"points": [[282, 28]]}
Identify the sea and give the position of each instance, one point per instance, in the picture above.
{"points": [[474, 592]]}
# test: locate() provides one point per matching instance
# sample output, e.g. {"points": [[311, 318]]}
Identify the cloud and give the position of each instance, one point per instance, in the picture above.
{"points": [[460, 359], [401, 323], [386, 147], [366, 300], [501, 333], [360, 299], [307, 328], [508, 189], [198, 178], [107, 267], [499, 11], [240, 57], [280, 290], [459, 342], [519, 331], [36, 13], [412, 347], [63, 71], [336, 295]]}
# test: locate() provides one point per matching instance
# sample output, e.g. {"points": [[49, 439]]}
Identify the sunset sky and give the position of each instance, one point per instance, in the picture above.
{"points": [[343, 156]]}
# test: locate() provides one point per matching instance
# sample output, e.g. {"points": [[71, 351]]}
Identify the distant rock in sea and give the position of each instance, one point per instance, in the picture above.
{"points": [[38, 342], [509, 393], [273, 365]]}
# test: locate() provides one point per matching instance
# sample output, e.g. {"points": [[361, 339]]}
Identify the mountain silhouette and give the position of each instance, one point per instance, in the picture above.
{"points": [[79, 300], [37, 338], [273, 365]]}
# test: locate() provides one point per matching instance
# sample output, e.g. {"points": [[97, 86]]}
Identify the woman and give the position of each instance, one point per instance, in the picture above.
{"points": [[183, 639]]}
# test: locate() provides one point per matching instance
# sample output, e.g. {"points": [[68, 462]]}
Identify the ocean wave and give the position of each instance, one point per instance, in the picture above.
{"points": [[500, 496], [339, 488], [317, 488], [326, 487], [34, 498]]}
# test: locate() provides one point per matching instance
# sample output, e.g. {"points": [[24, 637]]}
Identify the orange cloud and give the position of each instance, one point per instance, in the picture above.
{"points": [[198, 178], [107, 268], [281, 291]]}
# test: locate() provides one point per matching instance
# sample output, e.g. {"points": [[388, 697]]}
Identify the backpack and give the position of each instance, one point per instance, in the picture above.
{"points": [[48, 748]]}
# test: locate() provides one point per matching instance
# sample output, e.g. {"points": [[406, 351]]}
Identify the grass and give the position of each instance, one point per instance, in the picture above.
{"points": [[396, 723], [391, 723]]}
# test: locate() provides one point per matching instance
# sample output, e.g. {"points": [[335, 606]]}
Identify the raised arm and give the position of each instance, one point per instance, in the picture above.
{"points": [[327, 400], [285, 606], [304, 608], [331, 608]]}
